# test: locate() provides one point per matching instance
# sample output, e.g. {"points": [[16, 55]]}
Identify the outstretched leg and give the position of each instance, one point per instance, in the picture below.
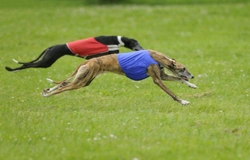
{"points": [[84, 76], [166, 77], [45, 59], [155, 72]]}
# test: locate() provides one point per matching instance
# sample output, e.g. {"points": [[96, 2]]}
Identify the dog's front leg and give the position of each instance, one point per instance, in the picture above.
{"points": [[154, 72], [168, 91], [191, 85], [166, 77]]}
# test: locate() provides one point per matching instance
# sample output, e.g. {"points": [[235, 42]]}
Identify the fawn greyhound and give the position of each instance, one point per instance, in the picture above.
{"points": [[136, 65], [84, 48]]}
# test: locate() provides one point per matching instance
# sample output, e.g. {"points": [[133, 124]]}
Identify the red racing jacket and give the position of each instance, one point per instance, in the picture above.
{"points": [[86, 47]]}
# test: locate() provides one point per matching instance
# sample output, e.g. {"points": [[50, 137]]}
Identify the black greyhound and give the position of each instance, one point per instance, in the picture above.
{"points": [[85, 48]]}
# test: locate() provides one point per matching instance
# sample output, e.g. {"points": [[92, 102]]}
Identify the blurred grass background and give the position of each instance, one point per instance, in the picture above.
{"points": [[112, 118], [57, 3]]}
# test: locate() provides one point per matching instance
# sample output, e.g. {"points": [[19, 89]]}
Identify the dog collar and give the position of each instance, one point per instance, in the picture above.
{"points": [[119, 38]]}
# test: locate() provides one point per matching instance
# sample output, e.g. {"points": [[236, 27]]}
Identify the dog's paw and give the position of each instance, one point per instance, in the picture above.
{"points": [[49, 80], [44, 94], [184, 102], [191, 85], [15, 61]]}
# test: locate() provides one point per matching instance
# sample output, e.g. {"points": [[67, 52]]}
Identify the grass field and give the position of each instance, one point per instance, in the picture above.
{"points": [[114, 117]]}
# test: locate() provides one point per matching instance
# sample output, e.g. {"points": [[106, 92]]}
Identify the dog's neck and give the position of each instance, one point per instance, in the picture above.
{"points": [[162, 59], [121, 43]]}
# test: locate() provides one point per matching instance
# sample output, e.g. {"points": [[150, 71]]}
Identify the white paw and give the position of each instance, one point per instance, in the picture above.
{"points": [[184, 102], [192, 85], [44, 94], [15, 61], [49, 80]]}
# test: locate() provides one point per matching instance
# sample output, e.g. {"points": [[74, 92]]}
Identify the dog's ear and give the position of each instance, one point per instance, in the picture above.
{"points": [[173, 63]]}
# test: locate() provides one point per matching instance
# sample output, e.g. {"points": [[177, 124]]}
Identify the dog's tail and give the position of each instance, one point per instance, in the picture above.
{"points": [[70, 77], [16, 61]]}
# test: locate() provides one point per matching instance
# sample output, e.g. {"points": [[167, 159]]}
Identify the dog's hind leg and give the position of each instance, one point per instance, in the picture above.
{"points": [[48, 90], [84, 76], [155, 73], [25, 64], [69, 78], [45, 59], [52, 81], [18, 62], [60, 84]]}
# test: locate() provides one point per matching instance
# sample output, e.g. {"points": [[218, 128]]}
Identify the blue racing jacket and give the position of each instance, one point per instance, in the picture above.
{"points": [[135, 64]]}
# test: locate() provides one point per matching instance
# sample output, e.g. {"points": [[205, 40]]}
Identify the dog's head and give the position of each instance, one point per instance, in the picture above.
{"points": [[131, 44], [180, 70]]}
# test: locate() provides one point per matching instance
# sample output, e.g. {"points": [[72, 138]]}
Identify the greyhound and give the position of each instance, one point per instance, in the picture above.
{"points": [[136, 65], [85, 48]]}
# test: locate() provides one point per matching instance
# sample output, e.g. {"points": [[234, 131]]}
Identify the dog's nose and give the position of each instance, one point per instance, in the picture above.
{"points": [[192, 77]]}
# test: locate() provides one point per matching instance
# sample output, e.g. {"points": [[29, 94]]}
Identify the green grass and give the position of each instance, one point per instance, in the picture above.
{"points": [[112, 118]]}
